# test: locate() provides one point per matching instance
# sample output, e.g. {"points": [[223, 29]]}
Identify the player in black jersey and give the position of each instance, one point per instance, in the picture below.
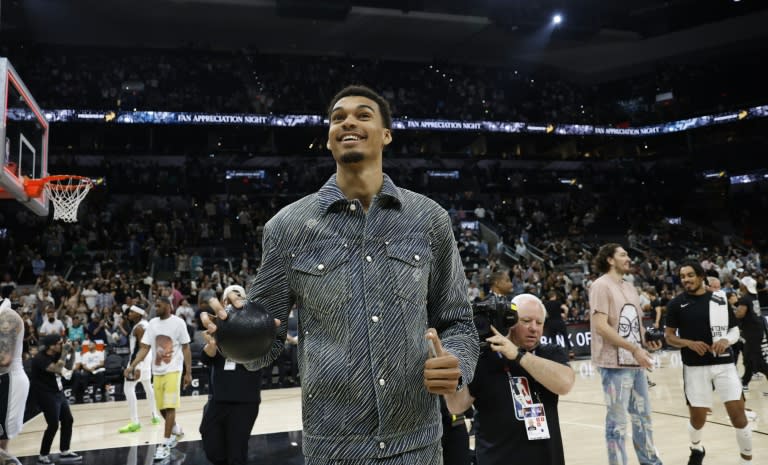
{"points": [[704, 327]]}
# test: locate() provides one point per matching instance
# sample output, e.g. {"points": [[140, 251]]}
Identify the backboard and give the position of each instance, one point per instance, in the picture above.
{"points": [[23, 140]]}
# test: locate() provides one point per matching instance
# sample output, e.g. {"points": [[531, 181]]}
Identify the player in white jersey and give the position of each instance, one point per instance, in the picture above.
{"points": [[142, 374], [14, 384]]}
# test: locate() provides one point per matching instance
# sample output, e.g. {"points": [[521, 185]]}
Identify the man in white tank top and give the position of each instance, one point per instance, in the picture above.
{"points": [[142, 374], [14, 384]]}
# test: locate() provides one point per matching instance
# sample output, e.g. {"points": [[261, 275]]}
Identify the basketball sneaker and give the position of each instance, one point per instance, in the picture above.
{"points": [[697, 456], [171, 442], [8, 459], [130, 428], [70, 457], [162, 452]]}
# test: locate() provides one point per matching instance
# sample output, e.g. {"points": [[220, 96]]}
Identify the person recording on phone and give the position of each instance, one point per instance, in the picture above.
{"points": [[515, 391]]}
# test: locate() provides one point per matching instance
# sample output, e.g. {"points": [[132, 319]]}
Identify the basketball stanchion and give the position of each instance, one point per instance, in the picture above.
{"points": [[65, 192]]}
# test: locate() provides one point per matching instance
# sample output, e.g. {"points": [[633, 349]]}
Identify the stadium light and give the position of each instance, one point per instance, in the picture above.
{"points": [[557, 19]]}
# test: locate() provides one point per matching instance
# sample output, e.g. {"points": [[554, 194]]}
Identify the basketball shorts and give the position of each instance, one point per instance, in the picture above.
{"points": [[167, 390], [14, 388], [701, 381]]}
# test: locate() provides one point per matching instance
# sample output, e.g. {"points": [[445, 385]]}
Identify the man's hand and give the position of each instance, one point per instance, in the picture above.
{"points": [[720, 346], [127, 372], [643, 358], [699, 347], [221, 314], [441, 373], [187, 379], [652, 346], [501, 344]]}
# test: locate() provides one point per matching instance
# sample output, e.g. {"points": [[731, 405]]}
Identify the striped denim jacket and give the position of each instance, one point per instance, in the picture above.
{"points": [[367, 285]]}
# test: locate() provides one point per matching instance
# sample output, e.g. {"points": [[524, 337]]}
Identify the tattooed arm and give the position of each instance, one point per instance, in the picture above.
{"points": [[11, 329]]}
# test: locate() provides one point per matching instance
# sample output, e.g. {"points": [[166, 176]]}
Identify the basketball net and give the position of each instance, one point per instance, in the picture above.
{"points": [[66, 193]]}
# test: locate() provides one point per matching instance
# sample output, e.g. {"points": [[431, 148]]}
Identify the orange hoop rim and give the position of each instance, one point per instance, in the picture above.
{"points": [[34, 187]]}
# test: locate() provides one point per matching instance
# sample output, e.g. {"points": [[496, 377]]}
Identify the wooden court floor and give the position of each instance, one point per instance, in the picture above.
{"points": [[582, 414]]}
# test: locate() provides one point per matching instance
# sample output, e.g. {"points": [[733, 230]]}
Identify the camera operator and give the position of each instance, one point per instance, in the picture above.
{"points": [[515, 392]]}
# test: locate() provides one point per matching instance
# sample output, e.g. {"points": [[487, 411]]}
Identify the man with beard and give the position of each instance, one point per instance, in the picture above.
{"points": [[374, 270], [618, 338], [510, 388], [45, 383], [167, 335], [703, 326]]}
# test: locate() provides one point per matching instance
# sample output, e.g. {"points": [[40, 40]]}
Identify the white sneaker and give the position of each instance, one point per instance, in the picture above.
{"points": [[171, 442], [751, 415], [177, 431], [162, 452]]}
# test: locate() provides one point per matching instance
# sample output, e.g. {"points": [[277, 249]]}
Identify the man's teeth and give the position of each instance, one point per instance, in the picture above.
{"points": [[350, 137]]}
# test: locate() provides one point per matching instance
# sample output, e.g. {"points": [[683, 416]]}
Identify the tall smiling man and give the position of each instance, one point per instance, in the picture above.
{"points": [[377, 277]]}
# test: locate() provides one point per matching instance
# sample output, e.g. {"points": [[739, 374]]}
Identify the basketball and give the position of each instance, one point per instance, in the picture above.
{"points": [[246, 334]]}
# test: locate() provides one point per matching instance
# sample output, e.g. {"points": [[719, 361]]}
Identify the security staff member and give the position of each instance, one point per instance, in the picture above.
{"points": [[233, 400]]}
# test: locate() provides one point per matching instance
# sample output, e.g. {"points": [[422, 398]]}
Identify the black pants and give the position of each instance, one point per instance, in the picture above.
{"points": [[55, 408], [225, 430], [753, 363], [455, 445]]}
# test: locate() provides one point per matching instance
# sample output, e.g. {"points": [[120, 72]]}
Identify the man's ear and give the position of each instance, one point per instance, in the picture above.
{"points": [[387, 137]]}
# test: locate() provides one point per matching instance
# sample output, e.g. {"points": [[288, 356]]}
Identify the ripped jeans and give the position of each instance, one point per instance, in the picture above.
{"points": [[626, 392]]}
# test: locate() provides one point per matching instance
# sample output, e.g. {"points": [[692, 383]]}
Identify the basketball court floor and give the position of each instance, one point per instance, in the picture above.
{"points": [[276, 436]]}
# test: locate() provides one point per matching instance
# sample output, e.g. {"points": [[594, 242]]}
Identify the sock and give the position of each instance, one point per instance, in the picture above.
{"points": [[176, 429], [695, 436], [744, 438]]}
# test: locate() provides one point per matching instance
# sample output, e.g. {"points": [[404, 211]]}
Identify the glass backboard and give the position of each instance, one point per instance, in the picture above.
{"points": [[24, 137]]}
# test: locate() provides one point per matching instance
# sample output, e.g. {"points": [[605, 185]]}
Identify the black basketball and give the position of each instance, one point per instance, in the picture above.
{"points": [[246, 334]]}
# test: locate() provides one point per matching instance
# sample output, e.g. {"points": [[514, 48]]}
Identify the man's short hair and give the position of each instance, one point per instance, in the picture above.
{"points": [[367, 92], [697, 268]]}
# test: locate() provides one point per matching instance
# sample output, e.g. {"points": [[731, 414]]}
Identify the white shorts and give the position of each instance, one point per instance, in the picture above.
{"points": [[701, 381], [14, 388]]}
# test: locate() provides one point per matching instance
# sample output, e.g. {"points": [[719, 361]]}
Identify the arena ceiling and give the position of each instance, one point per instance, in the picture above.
{"points": [[597, 37]]}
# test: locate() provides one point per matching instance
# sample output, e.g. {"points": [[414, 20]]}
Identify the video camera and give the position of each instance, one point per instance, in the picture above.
{"points": [[652, 335], [499, 313]]}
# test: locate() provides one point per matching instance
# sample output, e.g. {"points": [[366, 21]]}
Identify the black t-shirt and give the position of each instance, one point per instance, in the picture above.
{"points": [[554, 312], [751, 325], [41, 379], [501, 436], [239, 385], [689, 314]]}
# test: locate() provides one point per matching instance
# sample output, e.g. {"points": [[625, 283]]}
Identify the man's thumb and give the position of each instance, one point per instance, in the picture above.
{"points": [[432, 336]]}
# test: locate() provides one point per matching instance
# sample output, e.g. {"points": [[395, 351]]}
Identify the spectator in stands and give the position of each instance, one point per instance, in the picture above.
{"points": [[91, 371], [52, 324], [96, 329], [76, 331]]}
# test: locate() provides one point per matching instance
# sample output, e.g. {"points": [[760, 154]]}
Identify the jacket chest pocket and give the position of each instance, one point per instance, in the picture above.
{"points": [[409, 260], [320, 278]]}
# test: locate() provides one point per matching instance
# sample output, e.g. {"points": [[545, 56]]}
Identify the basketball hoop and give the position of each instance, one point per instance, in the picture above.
{"points": [[65, 191]]}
